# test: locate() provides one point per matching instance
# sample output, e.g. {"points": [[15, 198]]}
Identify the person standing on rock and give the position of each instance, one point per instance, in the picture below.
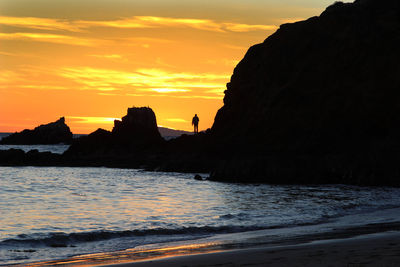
{"points": [[195, 123]]}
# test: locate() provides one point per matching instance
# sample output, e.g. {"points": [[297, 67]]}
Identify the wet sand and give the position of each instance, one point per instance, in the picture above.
{"points": [[381, 249]]}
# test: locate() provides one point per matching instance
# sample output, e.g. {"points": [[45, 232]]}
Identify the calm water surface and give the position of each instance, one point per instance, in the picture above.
{"points": [[49, 213]]}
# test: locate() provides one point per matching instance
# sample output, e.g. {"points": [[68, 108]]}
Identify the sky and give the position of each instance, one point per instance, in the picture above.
{"points": [[89, 60]]}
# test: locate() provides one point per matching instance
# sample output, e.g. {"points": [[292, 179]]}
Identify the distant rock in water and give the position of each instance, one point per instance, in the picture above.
{"points": [[52, 133]]}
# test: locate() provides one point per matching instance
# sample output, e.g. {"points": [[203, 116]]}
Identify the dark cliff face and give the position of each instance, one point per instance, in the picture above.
{"points": [[51, 133], [324, 84]]}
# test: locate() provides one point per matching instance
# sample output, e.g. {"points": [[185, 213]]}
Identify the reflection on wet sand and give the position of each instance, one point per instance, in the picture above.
{"points": [[132, 255]]}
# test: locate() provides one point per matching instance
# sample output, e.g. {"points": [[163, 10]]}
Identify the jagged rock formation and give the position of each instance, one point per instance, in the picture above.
{"points": [[136, 132], [139, 126], [327, 87], [51, 133]]}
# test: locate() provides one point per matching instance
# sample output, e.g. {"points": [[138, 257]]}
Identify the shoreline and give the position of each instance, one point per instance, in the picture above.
{"points": [[378, 247], [382, 249]]}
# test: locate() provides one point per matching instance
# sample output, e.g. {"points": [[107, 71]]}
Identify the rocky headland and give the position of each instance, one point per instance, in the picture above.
{"points": [[316, 102], [52, 133]]}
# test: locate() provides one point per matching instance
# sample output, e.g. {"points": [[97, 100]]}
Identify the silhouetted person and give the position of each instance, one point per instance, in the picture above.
{"points": [[195, 123]]}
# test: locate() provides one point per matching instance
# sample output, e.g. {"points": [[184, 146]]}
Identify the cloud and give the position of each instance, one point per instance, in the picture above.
{"points": [[7, 54], [238, 27], [107, 56], [50, 38], [154, 22], [44, 87], [166, 90], [7, 76], [223, 61], [158, 22], [111, 56], [177, 120], [145, 80], [135, 22], [217, 91], [179, 96], [39, 23]]}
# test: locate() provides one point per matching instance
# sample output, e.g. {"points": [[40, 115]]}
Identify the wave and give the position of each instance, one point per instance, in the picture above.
{"points": [[61, 239]]}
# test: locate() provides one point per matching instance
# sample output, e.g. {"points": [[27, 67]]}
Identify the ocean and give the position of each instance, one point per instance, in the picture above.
{"points": [[58, 148], [50, 213]]}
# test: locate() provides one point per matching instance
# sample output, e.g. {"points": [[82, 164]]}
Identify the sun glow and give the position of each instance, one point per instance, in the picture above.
{"points": [[92, 120], [80, 62]]}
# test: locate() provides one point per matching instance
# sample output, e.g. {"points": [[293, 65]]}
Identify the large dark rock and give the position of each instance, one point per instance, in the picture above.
{"points": [[325, 83], [327, 87], [52, 133]]}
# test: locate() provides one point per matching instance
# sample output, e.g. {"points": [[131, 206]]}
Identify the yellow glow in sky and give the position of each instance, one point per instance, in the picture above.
{"points": [[90, 60]]}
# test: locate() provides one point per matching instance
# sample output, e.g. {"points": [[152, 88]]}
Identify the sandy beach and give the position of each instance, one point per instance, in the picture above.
{"points": [[378, 249], [370, 250]]}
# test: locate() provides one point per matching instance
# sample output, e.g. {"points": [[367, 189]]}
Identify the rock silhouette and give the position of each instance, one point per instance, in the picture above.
{"points": [[138, 127], [51, 133], [320, 95], [322, 84], [135, 133], [316, 102]]}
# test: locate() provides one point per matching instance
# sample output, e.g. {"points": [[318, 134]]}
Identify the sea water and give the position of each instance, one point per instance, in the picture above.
{"points": [[57, 212], [57, 148]]}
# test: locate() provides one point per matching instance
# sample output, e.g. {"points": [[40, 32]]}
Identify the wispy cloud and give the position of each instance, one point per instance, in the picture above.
{"points": [[145, 80], [44, 87], [179, 96], [39, 23], [223, 61], [157, 22], [7, 54], [238, 27], [111, 56], [165, 90], [177, 120], [217, 91], [154, 22], [135, 22], [7, 76], [51, 38]]}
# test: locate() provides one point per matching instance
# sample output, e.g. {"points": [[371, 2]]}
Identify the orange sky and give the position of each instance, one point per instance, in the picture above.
{"points": [[89, 60]]}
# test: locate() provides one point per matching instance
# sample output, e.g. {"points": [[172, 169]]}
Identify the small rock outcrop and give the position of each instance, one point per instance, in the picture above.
{"points": [[138, 127], [51, 133], [136, 132]]}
